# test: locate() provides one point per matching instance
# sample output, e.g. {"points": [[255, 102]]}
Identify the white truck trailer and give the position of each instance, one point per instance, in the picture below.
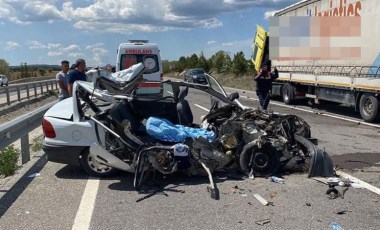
{"points": [[351, 78]]}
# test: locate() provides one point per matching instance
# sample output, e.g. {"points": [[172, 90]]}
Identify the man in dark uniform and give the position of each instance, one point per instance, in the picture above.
{"points": [[264, 80], [77, 74]]}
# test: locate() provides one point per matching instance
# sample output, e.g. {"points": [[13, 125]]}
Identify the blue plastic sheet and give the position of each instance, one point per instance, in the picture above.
{"points": [[163, 130]]}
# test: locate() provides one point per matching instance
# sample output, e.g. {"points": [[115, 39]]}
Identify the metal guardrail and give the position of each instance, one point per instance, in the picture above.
{"points": [[31, 79], [19, 128], [353, 71], [7, 90]]}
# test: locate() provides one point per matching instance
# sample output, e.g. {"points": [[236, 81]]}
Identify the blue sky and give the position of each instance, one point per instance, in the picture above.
{"points": [[46, 32]]}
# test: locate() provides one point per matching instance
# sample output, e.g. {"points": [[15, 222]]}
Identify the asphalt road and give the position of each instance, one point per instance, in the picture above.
{"points": [[62, 197]]}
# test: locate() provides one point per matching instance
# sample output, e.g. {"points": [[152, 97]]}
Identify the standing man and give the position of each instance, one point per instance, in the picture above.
{"points": [[78, 74], [264, 81], [62, 78]]}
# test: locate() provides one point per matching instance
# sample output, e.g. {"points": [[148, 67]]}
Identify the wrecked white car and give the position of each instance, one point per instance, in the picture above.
{"points": [[107, 126]]}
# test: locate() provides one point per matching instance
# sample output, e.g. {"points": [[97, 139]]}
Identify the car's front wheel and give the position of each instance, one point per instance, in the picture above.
{"points": [[93, 167]]}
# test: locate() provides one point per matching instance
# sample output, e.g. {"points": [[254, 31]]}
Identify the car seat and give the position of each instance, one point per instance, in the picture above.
{"points": [[185, 116]]}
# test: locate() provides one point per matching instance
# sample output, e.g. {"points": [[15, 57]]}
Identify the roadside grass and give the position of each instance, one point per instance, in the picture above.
{"points": [[245, 82], [8, 160], [37, 143]]}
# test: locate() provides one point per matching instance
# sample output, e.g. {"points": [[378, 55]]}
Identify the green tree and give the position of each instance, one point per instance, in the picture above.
{"points": [[239, 64], [4, 67], [41, 71], [203, 63], [227, 63], [218, 60], [181, 65], [192, 62]]}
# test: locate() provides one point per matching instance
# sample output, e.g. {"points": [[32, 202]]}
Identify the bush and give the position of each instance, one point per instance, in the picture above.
{"points": [[8, 160], [37, 143]]}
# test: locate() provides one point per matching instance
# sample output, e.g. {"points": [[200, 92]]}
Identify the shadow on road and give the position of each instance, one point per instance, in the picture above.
{"points": [[71, 172], [17, 189], [356, 160]]}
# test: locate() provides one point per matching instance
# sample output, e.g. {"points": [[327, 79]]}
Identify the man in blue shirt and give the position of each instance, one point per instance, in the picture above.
{"points": [[78, 74]]}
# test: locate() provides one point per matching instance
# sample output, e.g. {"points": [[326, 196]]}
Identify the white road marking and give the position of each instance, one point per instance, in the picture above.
{"points": [[169, 92], [359, 122], [356, 180], [199, 106], [86, 207]]}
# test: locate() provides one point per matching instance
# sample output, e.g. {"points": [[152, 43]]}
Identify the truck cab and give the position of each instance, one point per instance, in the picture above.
{"points": [[141, 51]]}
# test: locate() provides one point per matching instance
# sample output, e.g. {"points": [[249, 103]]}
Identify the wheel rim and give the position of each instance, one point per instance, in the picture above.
{"points": [[97, 166], [261, 160], [286, 94], [368, 106]]}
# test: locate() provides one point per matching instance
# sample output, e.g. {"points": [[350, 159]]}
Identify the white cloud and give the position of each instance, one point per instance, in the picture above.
{"points": [[98, 54], [53, 45], [128, 17], [71, 48], [211, 42], [89, 47], [227, 44], [75, 55], [54, 53], [231, 47], [36, 45], [10, 45], [269, 14]]}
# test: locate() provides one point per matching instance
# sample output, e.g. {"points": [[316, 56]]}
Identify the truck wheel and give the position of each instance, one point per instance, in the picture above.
{"points": [[369, 107], [94, 167], [288, 93]]}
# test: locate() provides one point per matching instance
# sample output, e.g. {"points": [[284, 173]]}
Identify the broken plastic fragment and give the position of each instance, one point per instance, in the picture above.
{"points": [[262, 222], [34, 175]]}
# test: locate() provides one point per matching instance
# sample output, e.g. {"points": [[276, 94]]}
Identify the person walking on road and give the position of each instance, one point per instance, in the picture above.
{"points": [[264, 80], [62, 78], [77, 74]]}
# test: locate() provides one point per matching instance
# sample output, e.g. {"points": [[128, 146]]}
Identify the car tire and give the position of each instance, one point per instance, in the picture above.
{"points": [[1, 84], [369, 107], [288, 92], [93, 167], [264, 161]]}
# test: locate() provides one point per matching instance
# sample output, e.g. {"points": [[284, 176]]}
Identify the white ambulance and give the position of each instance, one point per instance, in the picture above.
{"points": [[136, 51]]}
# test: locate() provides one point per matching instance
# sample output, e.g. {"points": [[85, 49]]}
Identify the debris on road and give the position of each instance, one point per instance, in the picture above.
{"points": [[262, 200], [34, 175], [335, 226], [277, 180], [308, 204], [262, 222], [273, 195], [342, 211]]}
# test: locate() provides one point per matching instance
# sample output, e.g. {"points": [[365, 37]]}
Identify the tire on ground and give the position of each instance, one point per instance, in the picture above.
{"points": [[94, 168], [265, 161], [369, 107], [288, 93]]}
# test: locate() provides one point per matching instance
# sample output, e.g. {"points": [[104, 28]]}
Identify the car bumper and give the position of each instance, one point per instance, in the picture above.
{"points": [[63, 154], [200, 81]]}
